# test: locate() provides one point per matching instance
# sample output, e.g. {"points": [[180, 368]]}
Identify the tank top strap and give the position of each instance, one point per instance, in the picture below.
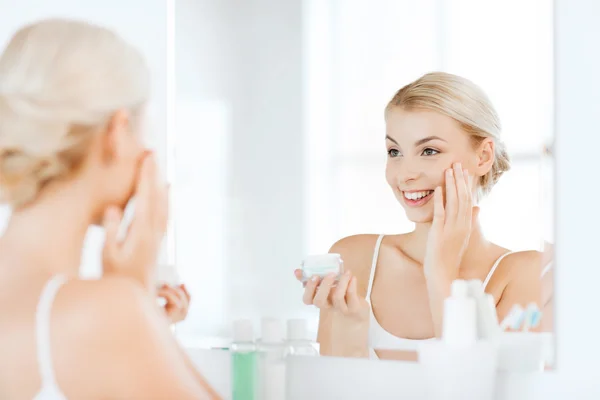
{"points": [[42, 331], [494, 267], [374, 266]]}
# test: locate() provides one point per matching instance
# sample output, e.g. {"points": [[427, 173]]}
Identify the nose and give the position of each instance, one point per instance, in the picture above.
{"points": [[407, 172]]}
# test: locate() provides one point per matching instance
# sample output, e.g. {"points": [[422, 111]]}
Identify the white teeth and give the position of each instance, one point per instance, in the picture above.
{"points": [[417, 195]]}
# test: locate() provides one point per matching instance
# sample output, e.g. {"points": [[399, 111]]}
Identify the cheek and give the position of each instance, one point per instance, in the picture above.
{"points": [[389, 175], [436, 170]]}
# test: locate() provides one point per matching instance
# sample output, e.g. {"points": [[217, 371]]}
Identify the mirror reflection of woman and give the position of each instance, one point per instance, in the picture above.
{"points": [[444, 154], [72, 100]]}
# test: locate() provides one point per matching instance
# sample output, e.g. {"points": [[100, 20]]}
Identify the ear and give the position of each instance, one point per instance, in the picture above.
{"points": [[485, 156], [112, 137]]}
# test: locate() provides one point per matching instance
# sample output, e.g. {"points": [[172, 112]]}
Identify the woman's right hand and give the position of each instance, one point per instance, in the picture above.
{"points": [[136, 255], [341, 297]]}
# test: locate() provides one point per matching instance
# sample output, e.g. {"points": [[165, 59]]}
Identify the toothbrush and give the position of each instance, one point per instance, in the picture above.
{"points": [[513, 319], [533, 315]]}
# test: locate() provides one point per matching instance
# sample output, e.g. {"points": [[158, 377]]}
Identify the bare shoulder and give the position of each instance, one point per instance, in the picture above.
{"points": [[97, 305], [102, 315], [523, 264], [109, 325], [522, 280], [357, 253]]}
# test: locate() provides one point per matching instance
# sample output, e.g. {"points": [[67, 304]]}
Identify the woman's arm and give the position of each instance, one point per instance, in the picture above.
{"points": [[453, 218], [344, 315], [438, 289]]}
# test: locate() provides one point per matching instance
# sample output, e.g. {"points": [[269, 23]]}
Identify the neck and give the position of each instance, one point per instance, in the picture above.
{"points": [[477, 243], [47, 236]]}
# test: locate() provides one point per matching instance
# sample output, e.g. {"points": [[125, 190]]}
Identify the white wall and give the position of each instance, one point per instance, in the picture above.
{"points": [[146, 30], [578, 215], [239, 179]]}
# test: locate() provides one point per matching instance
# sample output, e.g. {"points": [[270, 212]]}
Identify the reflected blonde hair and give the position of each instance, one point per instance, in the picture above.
{"points": [[61, 81], [463, 101]]}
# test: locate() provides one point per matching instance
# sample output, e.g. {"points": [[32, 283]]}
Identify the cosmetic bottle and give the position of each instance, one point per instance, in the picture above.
{"points": [[488, 327], [461, 365], [297, 343], [244, 362], [271, 370]]}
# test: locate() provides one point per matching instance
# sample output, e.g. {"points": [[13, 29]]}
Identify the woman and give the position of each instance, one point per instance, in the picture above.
{"points": [[444, 153], [72, 99]]}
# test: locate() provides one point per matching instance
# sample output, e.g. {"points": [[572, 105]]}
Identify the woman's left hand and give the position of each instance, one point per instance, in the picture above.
{"points": [[452, 224], [178, 302]]}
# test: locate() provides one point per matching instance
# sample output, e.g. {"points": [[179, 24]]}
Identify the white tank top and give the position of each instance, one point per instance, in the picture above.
{"points": [[379, 338], [49, 389]]}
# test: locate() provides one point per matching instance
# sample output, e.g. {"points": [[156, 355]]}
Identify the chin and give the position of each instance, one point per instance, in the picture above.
{"points": [[419, 216], [421, 220]]}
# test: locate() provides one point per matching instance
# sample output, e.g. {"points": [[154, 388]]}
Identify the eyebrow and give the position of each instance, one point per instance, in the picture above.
{"points": [[390, 139], [428, 139], [420, 141]]}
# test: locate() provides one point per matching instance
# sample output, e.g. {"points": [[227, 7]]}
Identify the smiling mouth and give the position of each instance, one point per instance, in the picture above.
{"points": [[417, 199], [415, 196]]}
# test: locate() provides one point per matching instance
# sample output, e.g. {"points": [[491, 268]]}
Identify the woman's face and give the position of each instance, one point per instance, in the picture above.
{"points": [[121, 150], [421, 145]]}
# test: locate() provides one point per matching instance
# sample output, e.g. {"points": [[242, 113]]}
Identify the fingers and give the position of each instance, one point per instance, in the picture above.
{"points": [[161, 213], [186, 293], [464, 206], [300, 277], [352, 299], [438, 208], [173, 298], [112, 222], [146, 190], [177, 302], [298, 274], [451, 196], [310, 290], [321, 298], [339, 296]]}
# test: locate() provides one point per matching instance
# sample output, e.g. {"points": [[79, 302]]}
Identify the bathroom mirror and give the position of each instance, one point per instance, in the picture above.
{"points": [[277, 147]]}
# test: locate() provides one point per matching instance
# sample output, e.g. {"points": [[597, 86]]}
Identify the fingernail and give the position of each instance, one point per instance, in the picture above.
{"points": [[466, 172], [449, 171], [458, 165], [314, 278]]}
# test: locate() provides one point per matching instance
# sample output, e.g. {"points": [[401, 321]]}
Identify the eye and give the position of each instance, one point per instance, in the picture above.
{"points": [[430, 152], [393, 153]]}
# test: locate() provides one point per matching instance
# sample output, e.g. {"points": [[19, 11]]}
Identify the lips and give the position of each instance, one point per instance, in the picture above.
{"points": [[417, 195], [417, 198]]}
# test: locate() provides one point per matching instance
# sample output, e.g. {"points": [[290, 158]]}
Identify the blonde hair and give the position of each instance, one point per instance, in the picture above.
{"points": [[61, 81], [463, 101]]}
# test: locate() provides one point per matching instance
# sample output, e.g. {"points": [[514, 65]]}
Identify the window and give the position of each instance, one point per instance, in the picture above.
{"points": [[361, 53]]}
